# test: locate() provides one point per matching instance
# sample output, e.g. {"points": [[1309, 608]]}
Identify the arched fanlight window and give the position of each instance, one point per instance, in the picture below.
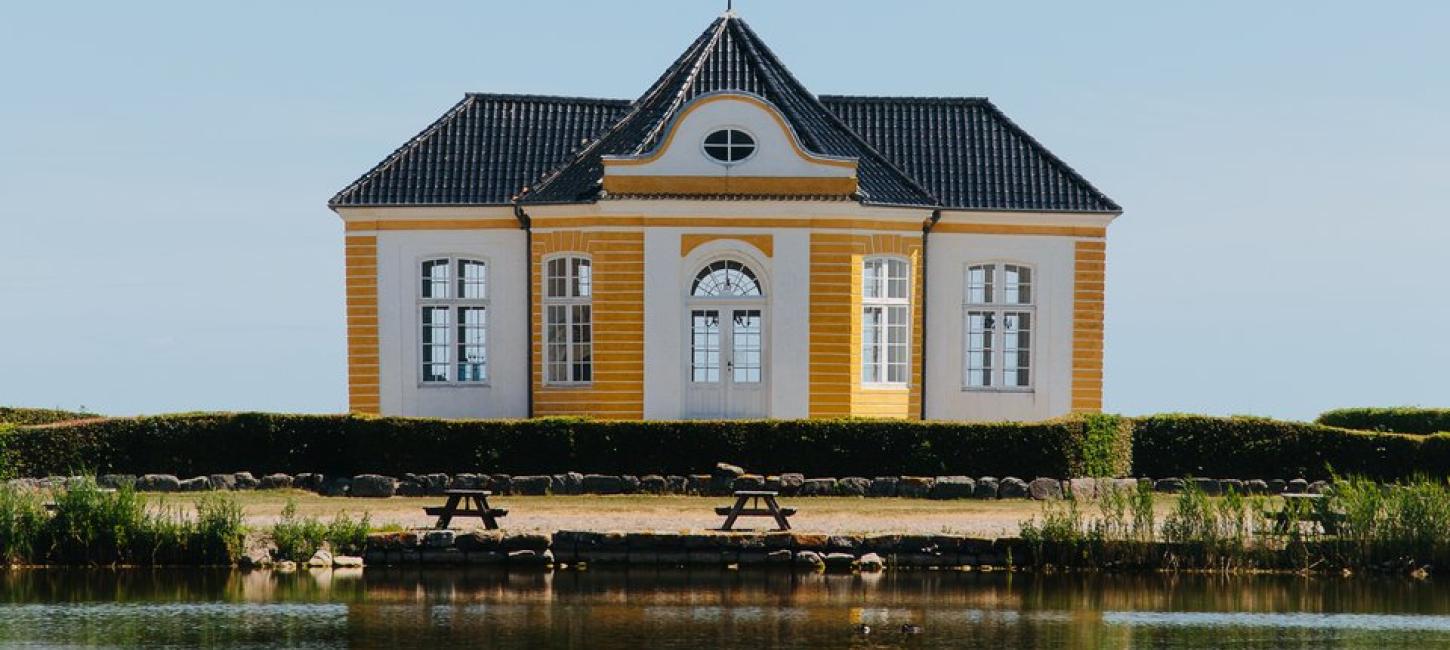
{"points": [[726, 278]]}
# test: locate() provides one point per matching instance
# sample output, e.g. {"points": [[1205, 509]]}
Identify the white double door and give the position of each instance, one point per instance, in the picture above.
{"points": [[725, 372]]}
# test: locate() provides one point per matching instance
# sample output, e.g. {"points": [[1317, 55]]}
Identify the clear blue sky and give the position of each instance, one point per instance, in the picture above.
{"points": [[1285, 169]]}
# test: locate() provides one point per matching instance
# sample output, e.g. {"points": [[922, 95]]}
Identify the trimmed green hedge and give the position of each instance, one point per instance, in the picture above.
{"points": [[1399, 419], [196, 444], [29, 416], [1247, 447]]}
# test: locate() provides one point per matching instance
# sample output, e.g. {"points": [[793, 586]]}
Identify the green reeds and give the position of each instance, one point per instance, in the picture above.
{"points": [[91, 526], [297, 538]]}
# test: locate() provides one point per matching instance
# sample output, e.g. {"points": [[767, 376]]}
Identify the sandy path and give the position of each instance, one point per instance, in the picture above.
{"points": [[666, 513]]}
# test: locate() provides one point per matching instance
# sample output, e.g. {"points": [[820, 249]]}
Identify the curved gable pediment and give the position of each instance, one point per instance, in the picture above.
{"points": [[778, 165]]}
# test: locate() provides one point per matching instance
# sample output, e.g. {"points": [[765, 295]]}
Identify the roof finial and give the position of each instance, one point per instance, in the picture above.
{"points": [[729, 7]]}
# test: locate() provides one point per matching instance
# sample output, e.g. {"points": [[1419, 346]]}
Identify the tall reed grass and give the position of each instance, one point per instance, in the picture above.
{"points": [[298, 537], [91, 526], [1358, 525]]}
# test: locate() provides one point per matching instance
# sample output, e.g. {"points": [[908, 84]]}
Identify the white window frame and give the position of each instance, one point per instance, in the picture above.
{"points": [[731, 146], [569, 303], [455, 304], [998, 309], [886, 304]]}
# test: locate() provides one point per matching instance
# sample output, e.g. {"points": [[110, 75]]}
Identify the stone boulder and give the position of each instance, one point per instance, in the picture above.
{"points": [[373, 486], [853, 486], [1297, 486], [653, 484], [466, 481], [602, 484], [245, 481], [1208, 486], [435, 484], [1168, 485], [222, 481], [197, 484], [275, 482], [870, 563], [1319, 487], [439, 538], [1012, 488], [952, 487], [1045, 488], [346, 562], [985, 488], [533, 485], [748, 482], [499, 484], [408, 486], [676, 484], [818, 487], [320, 560], [1256, 486], [1237, 486], [1277, 485], [839, 561], [158, 483], [335, 487], [883, 486], [308, 481], [791, 482], [1083, 488], [810, 560], [629, 483], [116, 481], [915, 487]]}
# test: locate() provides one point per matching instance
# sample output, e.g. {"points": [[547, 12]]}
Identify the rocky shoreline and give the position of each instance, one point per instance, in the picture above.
{"points": [[723, 480]]}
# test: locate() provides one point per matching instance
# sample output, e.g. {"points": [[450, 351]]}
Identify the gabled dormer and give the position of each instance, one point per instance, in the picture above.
{"points": [[730, 143]]}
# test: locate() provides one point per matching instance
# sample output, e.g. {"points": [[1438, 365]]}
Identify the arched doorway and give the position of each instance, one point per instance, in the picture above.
{"points": [[725, 372]]}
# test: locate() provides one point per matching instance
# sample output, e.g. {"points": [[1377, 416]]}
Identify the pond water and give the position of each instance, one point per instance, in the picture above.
{"points": [[711, 609]]}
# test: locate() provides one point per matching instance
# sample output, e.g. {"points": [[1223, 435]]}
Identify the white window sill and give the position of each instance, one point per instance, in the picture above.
{"points": [[454, 384], [999, 389], [884, 387]]}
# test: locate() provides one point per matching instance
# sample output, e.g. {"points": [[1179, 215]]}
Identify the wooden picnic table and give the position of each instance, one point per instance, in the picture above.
{"points": [[756, 498], [477, 499], [1304, 507]]}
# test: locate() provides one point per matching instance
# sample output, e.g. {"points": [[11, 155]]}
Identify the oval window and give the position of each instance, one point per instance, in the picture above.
{"points": [[729, 145]]}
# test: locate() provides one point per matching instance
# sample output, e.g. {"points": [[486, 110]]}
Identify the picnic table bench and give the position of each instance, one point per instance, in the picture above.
{"points": [[1304, 507], [755, 498], [474, 503]]}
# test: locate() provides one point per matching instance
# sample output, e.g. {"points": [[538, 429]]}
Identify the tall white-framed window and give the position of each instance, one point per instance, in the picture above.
{"points": [[999, 318], [885, 321], [453, 321], [568, 320]]}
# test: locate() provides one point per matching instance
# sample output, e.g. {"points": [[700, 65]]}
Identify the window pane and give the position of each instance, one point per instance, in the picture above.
{"points": [[872, 323], [435, 279], [1016, 285], [557, 278], [704, 346], [978, 361], [472, 279], [896, 279], [897, 347], [871, 279], [582, 331], [435, 343], [1016, 349], [556, 347], [745, 346], [582, 277], [472, 344], [979, 284]]}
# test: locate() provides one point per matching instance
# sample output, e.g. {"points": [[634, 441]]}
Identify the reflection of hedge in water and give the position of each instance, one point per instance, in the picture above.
{"points": [[201, 444]]}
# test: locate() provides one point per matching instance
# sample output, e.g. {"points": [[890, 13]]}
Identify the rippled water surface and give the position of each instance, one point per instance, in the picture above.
{"points": [[711, 609]]}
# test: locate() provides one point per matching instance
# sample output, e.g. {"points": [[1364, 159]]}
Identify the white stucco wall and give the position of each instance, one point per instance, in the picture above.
{"points": [[787, 318], [1051, 258], [402, 393], [777, 149]]}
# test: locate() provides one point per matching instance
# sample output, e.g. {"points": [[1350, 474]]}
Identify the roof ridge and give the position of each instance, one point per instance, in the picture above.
{"points": [[547, 98], [413, 142], [836, 120], [914, 99], [1066, 168]]}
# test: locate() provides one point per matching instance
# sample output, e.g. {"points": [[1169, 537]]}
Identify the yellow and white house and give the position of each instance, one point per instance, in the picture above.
{"points": [[728, 245]]}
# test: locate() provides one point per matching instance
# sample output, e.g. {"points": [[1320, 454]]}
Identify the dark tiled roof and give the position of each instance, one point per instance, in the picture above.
{"points": [[728, 56], [484, 150], [968, 153], [950, 152]]}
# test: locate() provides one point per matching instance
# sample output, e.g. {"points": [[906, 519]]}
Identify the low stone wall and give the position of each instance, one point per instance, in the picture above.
{"points": [[724, 480], [780, 549]]}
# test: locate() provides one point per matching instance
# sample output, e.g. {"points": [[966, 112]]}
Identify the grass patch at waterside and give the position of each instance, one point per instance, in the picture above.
{"points": [[297, 537], [90, 526], [1357, 525]]}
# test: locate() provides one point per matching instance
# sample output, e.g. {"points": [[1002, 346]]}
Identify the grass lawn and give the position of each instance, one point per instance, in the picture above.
{"points": [[669, 513]]}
